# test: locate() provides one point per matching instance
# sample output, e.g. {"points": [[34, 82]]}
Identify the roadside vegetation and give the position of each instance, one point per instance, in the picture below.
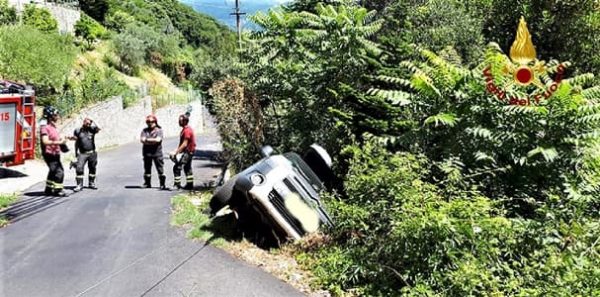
{"points": [[442, 189], [190, 212], [5, 201], [118, 48]]}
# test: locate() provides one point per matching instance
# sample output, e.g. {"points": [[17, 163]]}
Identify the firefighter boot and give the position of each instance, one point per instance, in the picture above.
{"points": [[60, 193], [163, 180], [49, 188], [92, 182], [79, 186], [177, 182], [189, 183], [147, 179]]}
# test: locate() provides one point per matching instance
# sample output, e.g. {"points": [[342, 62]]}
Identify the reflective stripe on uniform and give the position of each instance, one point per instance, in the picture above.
{"points": [[79, 176], [148, 175], [91, 175], [58, 186], [50, 184], [189, 177], [178, 178]]}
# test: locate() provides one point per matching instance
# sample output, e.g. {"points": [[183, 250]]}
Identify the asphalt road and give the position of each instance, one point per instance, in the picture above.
{"points": [[117, 241]]}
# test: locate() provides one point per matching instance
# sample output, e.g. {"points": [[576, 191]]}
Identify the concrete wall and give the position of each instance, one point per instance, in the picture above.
{"points": [[64, 15], [121, 126]]}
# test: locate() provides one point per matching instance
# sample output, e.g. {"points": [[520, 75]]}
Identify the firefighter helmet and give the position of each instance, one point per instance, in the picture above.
{"points": [[185, 118], [50, 111], [151, 118]]}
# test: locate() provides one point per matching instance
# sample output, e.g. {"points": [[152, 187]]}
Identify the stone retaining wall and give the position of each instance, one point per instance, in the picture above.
{"points": [[121, 126], [65, 16]]}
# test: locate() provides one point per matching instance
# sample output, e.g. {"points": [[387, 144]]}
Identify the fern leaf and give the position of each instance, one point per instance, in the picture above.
{"points": [[591, 94], [549, 154], [581, 80], [528, 109], [398, 98], [442, 119], [395, 80], [481, 156], [480, 132]]}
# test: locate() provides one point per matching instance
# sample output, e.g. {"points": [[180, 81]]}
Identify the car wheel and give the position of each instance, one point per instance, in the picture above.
{"points": [[222, 196]]}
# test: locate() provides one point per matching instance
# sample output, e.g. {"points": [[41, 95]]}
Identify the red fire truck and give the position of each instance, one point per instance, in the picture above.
{"points": [[17, 123]]}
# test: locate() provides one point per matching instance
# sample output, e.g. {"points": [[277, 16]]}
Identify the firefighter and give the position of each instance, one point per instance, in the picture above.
{"points": [[85, 150], [151, 138], [183, 155], [51, 149]]}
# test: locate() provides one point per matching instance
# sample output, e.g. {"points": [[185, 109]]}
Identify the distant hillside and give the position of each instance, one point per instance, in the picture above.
{"points": [[221, 9]]}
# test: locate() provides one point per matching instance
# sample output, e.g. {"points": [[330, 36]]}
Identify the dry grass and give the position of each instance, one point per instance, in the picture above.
{"points": [[158, 85], [281, 263], [161, 88]]}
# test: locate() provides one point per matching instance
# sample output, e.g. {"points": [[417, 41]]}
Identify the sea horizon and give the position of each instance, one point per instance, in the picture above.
{"points": [[222, 9]]}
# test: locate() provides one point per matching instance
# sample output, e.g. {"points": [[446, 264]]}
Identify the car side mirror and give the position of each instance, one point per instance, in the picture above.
{"points": [[266, 151]]}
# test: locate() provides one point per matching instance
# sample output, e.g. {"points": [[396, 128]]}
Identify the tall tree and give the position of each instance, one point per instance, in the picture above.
{"points": [[96, 9]]}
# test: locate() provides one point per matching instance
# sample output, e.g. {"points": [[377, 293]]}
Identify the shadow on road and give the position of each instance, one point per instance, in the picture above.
{"points": [[9, 173], [27, 207], [206, 155]]}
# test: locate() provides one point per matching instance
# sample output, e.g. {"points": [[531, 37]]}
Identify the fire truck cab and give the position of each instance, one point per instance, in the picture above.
{"points": [[17, 123]]}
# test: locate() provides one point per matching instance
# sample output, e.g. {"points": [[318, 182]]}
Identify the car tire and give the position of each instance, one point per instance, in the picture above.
{"points": [[222, 196]]}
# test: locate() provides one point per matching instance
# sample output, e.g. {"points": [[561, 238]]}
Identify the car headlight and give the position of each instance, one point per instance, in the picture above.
{"points": [[257, 179]]}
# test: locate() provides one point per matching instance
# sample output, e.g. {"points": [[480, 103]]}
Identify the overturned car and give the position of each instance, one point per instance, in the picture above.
{"points": [[278, 198]]}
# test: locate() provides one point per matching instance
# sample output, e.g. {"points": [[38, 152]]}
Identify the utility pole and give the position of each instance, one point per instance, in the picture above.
{"points": [[238, 15]]}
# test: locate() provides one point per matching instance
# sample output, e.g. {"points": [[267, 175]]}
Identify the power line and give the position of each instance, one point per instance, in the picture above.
{"points": [[238, 15]]}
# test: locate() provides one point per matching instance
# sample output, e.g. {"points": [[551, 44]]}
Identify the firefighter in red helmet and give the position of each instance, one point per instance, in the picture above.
{"points": [[151, 138], [52, 146]]}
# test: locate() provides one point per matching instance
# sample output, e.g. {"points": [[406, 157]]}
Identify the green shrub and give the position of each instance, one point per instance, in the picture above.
{"points": [[131, 50], [240, 122], [503, 150], [39, 18], [90, 30], [8, 14], [140, 44], [7, 200], [96, 85], [438, 25], [43, 60], [396, 234], [99, 85], [297, 64], [119, 20]]}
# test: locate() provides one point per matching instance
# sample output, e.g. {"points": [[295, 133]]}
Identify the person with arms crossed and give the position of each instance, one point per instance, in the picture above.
{"points": [[151, 138]]}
